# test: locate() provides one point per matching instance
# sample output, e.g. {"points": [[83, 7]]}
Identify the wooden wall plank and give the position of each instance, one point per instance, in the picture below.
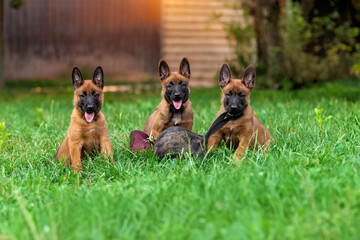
{"points": [[46, 39], [189, 28]]}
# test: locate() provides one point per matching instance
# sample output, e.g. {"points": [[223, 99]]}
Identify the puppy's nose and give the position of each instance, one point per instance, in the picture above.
{"points": [[177, 94], [234, 107], [90, 108]]}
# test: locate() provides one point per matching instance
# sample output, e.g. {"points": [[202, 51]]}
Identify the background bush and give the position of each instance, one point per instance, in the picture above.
{"points": [[314, 49]]}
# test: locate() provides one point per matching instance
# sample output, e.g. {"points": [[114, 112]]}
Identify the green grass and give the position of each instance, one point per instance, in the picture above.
{"points": [[306, 187]]}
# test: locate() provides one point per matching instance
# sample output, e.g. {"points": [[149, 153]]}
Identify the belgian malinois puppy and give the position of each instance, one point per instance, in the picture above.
{"points": [[175, 108], [245, 129], [88, 130]]}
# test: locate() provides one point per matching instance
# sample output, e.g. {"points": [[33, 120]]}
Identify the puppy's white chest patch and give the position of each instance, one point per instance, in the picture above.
{"points": [[90, 130], [176, 119]]}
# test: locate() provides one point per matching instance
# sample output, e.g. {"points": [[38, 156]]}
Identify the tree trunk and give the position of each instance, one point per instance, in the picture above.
{"points": [[260, 32], [275, 58], [307, 6], [2, 44]]}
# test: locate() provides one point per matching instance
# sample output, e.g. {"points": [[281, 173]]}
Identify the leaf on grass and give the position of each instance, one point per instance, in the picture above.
{"points": [[2, 127], [4, 137], [327, 118]]}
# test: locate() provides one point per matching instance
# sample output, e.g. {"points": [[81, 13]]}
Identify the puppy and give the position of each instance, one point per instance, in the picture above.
{"points": [[245, 129], [88, 130], [175, 108]]}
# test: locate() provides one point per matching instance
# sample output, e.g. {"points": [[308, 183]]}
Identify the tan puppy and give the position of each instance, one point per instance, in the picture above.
{"points": [[246, 130], [175, 108], [88, 130]]}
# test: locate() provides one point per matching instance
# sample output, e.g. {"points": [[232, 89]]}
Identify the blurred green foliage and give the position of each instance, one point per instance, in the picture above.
{"points": [[318, 50], [241, 36], [314, 50], [16, 4]]}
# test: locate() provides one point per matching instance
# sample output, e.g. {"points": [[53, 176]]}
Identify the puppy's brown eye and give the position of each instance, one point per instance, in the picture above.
{"points": [[229, 93], [171, 83], [181, 82], [93, 93]]}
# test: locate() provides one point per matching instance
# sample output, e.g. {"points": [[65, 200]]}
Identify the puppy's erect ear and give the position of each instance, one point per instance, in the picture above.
{"points": [[184, 68], [98, 78], [77, 78], [164, 70], [225, 75], [249, 77]]}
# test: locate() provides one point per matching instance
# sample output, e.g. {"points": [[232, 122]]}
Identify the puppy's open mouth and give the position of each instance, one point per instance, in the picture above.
{"points": [[177, 104], [89, 116]]}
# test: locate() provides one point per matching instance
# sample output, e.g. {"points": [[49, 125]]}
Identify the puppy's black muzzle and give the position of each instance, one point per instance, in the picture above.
{"points": [[235, 104], [89, 104], [90, 108], [177, 92], [177, 96], [234, 108]]}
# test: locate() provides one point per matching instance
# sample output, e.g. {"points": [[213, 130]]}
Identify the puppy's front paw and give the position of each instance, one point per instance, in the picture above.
{"points": [[77, 169], [237, 157]]}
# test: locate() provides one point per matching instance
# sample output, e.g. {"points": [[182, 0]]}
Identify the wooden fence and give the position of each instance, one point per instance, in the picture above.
{"points": [[46, 38]]}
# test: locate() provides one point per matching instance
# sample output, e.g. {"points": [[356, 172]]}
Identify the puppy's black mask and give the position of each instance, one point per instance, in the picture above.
{"points": [[235, 103], [176, 94], [89, 103]]}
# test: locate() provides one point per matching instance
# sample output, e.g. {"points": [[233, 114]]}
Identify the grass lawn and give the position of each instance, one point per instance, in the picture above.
{"points": [[306, 187]]}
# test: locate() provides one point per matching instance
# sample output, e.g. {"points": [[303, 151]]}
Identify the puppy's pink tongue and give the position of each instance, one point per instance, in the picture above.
{"points": [[89, 116], [177, 104]]}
